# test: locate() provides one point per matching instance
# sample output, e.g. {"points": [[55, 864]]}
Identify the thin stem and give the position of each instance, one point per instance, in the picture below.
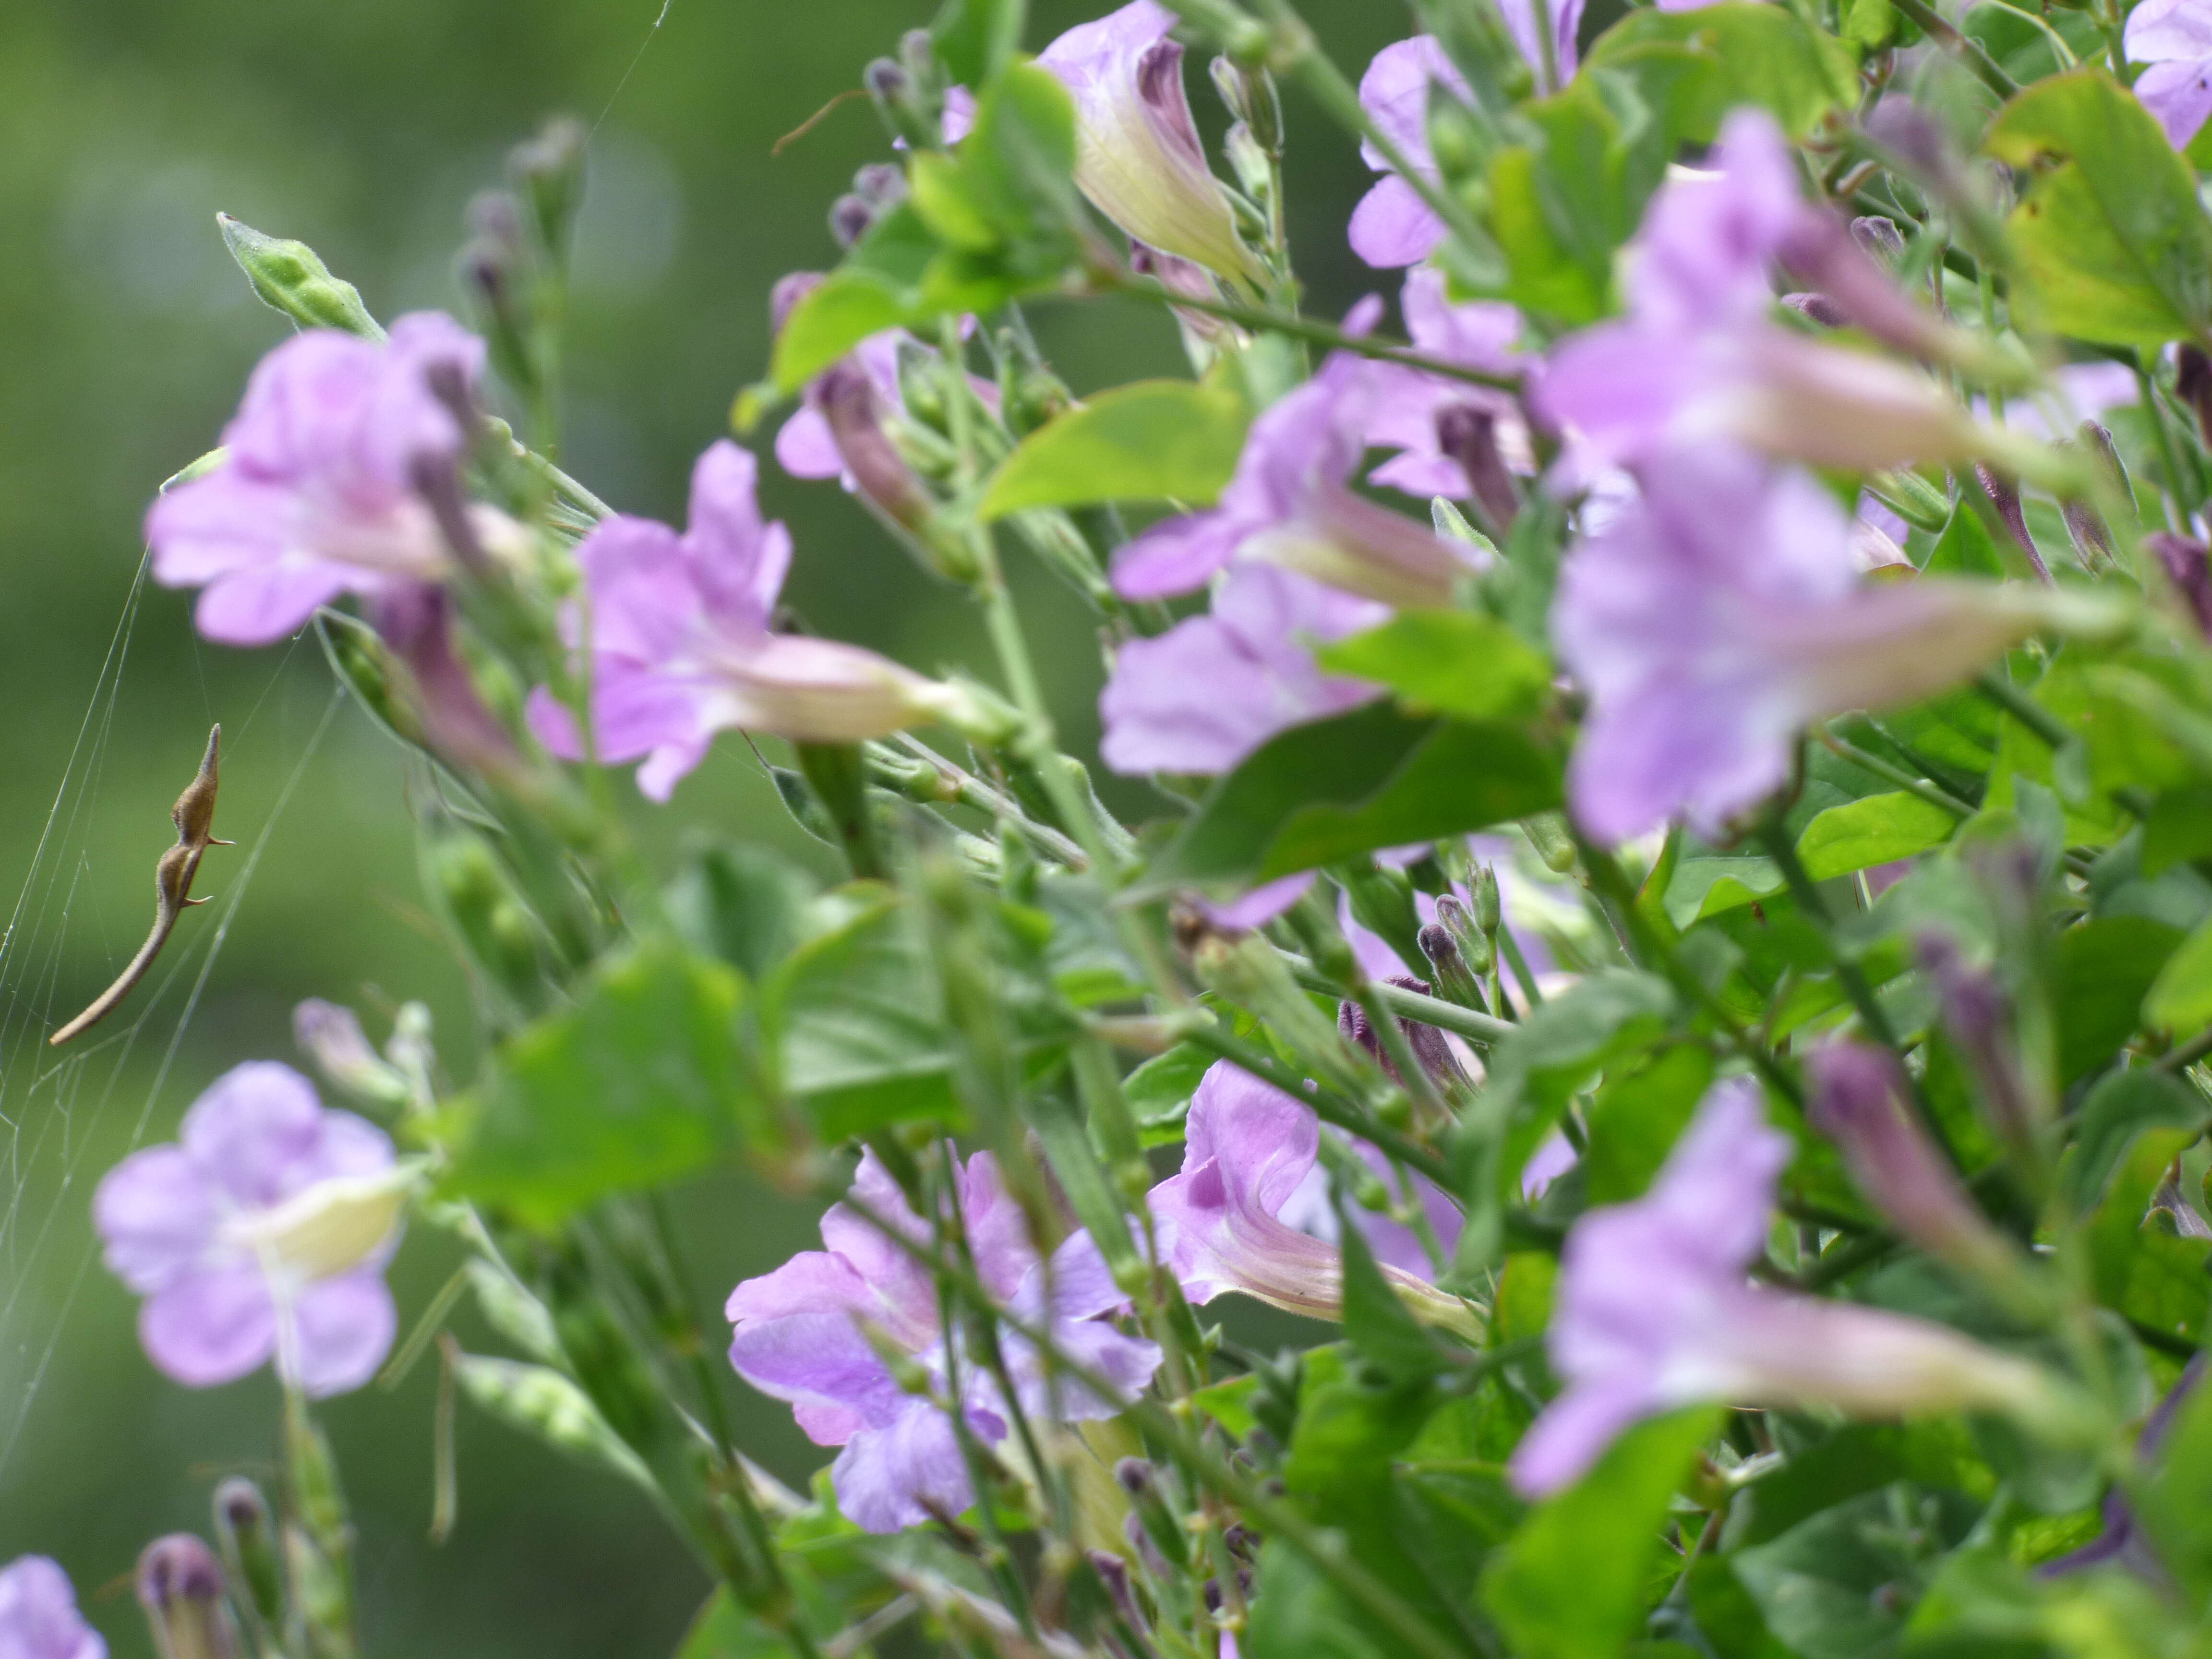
{"points": [[1999, 690], [1938, 29], [1410, 1005], [1934, 794], [2168, 457]]}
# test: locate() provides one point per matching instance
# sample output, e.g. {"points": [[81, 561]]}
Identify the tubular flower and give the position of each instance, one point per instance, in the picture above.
{"points": [[681, 647], [1720, 612], [1697, 360], [1249, 1213], [1655, 1311], [38, 1618], [1432, 420], [2174, 37], [1201, 696], [331, 473], [1137, 152], [1291, 504], [816, 1332], [808, 445], [263, 1232]]}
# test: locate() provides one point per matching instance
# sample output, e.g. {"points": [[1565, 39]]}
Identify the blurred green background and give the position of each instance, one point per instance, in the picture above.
{"points": [[125, 335]]}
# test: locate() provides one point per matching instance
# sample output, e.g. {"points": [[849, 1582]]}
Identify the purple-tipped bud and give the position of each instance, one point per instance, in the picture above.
{"points": [[2192, 382], [1135, 1475], [849, 219], [1428, 1044], [247, 1533], [1851, 286], [417, 621], [1114, 1572], [2184, 560], [2093, 542], [1881, 238], [1819, 308], [1467, 932], [848, 403], [885, 80], [1455, 980], [1469, 436], [332, 1036], [181, 1586], [881, 185], [2004, 495], [1977, 1017], [1858, 1102]]}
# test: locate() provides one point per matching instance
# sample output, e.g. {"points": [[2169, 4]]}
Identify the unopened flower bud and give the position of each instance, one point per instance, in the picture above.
{"points": [[547, 171], [1455, 980], [1977, 1017], [849, 219], [1474, 943], [1881, 238], [1487, 907], [1469, 436], [2004, 495], [246, 1532], [1819, 308], [2192, 383], [2184, 560], [879, 473], [1850, 286], [1547, 834], [1430, 1048], [1912, 498], [884, 80], [332, 1036], [288, 275], [181, 1586], [1858, 1102]]}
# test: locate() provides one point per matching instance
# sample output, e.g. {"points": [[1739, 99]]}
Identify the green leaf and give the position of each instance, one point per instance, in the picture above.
{"points": [[1564, 199], [1841, 1584], [743, 904], [1380, 1328], [1446, 662], [1563, 1045], [1966, 548], [1570, 1583], [2113, 243], [1335, 788], [2180, 999], [1159, 1091], [1733, 54], [1153, 441], [2101, 971], [2178, 1505], [1878, 829], [1636, 1118], [2105, 1125], [1702, 887], [976, 38], [640, 1083]]}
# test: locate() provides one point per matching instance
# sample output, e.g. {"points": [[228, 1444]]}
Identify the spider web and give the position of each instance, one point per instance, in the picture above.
{"points": [[55, 1106]]}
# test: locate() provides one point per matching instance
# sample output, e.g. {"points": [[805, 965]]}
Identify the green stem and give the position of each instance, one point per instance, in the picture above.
{"points": [[1934, 794], [1938, 29], [2168, 457], [1410, 1005]]}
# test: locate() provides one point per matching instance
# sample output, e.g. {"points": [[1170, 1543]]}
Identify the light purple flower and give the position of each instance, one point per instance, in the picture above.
{"points": [[1393, 225], [681, 647], [1201, 696], [2174, 37], [1719, 613], [1697, 361], [803, 1336], [1291, 504], [1655, 1311], [319, 492], [807, 444], [1249, 1211], [263, 1232], [38, 1618], [1137, 152], [1418, 415]]}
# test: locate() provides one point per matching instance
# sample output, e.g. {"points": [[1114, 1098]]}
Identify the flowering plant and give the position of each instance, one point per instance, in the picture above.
{"points": [[1659, 896]]}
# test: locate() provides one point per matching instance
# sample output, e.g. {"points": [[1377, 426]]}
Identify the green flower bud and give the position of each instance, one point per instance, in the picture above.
{"points": [[246, 1534], [181, 1586], [289, 276]]}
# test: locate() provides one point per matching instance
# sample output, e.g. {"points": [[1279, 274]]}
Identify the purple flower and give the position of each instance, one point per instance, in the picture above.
{"points": [[1654, 1311], [1137, 152], [681, 647], [264, 1232], [1291, 504], [1696, 361], [38, 1618], [321, 489], [1249, 1210], [1719, 614], [804, 1335], [1203, 695], [1452, 437], [2174, 37], [1393, 225], [807, 445]]}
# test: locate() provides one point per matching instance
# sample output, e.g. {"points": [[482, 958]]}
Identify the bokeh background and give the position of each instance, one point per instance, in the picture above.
{"points": [[125, 335]]}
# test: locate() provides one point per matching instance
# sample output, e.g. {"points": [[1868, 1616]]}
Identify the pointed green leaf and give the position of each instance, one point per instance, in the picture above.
{"points": [[1154, 440]]}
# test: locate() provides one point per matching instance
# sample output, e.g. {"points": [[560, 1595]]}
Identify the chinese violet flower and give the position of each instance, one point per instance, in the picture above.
{"points": [[814, 1332], [2174, 37], [1655, 1311], [1291, 504], [263, 1232], [332, 474], [1137, 152], [1433, 421], [1201, 696], [681, 647], [1231, 1219], [1721, 612], [1393, 225], [1699, 361], [38, 1618]]}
